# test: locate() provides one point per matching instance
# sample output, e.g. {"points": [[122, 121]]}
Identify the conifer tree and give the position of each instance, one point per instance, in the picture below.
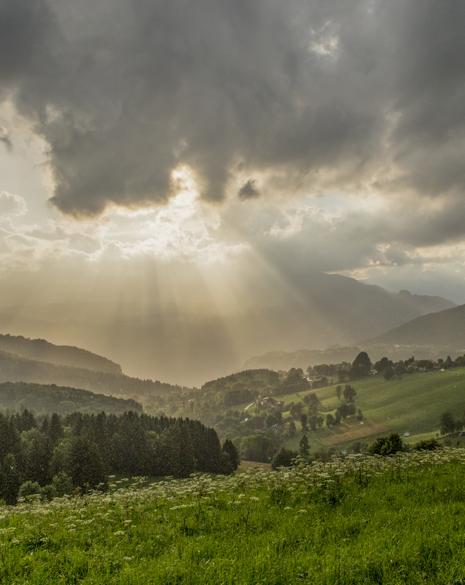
{"points": [[230, 449], [55, 429]]}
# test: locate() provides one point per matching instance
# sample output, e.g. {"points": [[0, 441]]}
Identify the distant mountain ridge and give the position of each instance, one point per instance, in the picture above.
{"points": [[425, 303], [351, 310], [342, 313], [441, 328], [65, 355]]}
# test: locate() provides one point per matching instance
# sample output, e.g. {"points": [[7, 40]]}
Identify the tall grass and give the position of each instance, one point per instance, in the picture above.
{"points": [[356, 521]]}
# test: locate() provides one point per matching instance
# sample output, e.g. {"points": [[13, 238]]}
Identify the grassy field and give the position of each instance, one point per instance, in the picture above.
{"points": [[359, 521], [410, 405]]}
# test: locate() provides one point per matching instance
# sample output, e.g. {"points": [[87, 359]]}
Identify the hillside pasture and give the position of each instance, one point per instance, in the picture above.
{"points": [[411, 406], [360, 520]]}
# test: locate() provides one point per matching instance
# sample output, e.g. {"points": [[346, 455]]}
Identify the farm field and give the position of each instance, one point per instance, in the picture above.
{"points": [[362, 520], [412, 405]]}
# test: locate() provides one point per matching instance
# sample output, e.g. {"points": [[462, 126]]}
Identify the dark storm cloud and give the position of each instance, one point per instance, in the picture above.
{"points": [[316, 91], [249, 190], [23, 26]]}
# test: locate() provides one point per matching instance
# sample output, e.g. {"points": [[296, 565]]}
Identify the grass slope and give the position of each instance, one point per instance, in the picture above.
{"points": [[412, 404], [360, 521]]}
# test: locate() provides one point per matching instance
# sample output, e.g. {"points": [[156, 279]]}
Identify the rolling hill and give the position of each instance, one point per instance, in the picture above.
{"points": [[412, 405], [440, 328], [47, 399]]}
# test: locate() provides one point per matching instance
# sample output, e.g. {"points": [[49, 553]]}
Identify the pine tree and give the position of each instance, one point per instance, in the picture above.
{"points": [[230, 449], [361, 366], [55, 429]]}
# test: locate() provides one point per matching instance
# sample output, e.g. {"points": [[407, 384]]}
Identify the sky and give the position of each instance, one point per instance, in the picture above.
{"points": [[200, 157]]}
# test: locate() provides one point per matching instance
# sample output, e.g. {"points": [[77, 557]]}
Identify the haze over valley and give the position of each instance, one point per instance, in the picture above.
{"points": [[190, 345]]}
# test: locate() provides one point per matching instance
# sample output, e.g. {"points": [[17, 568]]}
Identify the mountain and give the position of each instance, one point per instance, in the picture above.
{"points": [[191, 345], [47, 399], [441, 328], [346, 310], [44, 351], [424, 303]]}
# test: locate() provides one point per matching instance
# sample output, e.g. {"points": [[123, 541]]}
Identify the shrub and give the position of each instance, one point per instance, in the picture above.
{"points": [[257, 448], [29, 488], [283, 458], [48, 492], [387, 445], [427, 445], [62, 484]]}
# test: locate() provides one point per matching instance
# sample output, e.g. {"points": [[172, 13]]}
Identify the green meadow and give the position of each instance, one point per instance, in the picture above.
{"points": [[359, 520]]}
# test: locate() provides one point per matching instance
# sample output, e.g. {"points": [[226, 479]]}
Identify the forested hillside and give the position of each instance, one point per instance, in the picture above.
{"points": [[47, 399]]}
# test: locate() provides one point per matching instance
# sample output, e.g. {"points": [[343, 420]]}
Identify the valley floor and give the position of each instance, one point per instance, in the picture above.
{"points": [[363, 520]]}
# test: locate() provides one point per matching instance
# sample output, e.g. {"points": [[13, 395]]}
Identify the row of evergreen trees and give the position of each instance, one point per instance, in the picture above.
{"points": [[62, 453]]}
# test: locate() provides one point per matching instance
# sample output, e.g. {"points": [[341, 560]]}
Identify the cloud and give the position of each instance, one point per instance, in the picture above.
{"points": [[5, 137], [11, 205], [359, 96], [124, 91], [248, 190]]}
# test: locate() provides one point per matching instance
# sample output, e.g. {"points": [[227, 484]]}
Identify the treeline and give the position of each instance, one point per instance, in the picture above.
{"points": [[325, 374], [57, 455], [361, 367]]}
